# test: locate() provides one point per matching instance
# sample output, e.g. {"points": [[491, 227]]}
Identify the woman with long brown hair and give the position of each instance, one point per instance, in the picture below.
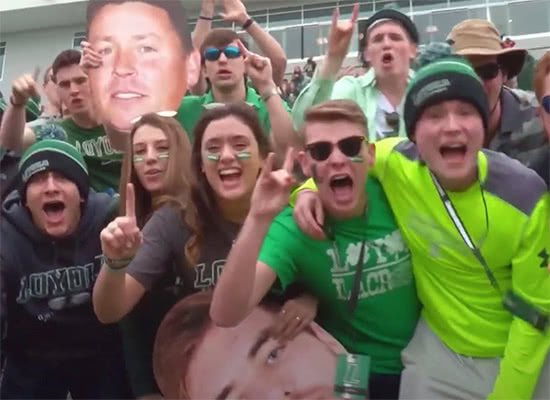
{"points": [[188, 237]]}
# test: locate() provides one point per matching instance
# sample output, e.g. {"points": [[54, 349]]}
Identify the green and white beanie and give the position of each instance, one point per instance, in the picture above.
{"points": [[54, 155], [450, 78]]}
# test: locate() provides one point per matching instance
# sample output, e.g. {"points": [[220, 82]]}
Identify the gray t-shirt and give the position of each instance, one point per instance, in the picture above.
{"points": [[161, 257]]}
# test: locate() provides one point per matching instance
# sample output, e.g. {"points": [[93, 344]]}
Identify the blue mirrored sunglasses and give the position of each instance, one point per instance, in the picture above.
{"points": [[546, 103], [213, 53]]}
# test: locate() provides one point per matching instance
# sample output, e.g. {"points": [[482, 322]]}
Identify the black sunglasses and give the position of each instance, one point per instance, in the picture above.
{"points": [[488, 72], [546, 103], [350, 147], [213, 53]]}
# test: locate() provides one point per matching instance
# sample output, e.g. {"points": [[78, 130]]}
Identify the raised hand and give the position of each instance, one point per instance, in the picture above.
{"points": [[90, 58], [234, 11], [25, 87], [308, 214], [121, 238], [258, 69], [340, 33], [272, 187]]}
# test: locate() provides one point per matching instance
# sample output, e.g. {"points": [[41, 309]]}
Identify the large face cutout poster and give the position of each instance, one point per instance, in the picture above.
{"points": [[194, 359], [147, 59]]}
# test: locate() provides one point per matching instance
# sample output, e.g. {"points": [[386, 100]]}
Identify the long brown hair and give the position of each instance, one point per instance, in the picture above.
{"points": [[206, 210], [177, 177]]}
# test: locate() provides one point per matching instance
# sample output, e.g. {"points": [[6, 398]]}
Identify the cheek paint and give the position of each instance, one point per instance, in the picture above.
{"points": [[316, 178], [212, 157], [137, 159], [242, 155], [356, 159], [162, 156]]}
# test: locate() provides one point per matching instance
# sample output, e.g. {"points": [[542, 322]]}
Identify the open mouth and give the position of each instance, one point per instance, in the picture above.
{"points": [[153, 172], [453, 152], [387, 59], [54, 210], [342, 187], [230, 176]]}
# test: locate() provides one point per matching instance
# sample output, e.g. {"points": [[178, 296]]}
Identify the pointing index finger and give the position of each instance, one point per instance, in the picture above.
{"points": [[243, 49], [289, 160], [130, 201]]}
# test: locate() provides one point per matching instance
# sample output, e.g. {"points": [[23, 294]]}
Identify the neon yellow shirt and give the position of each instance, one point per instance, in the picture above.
{"points": [[459, 304]]}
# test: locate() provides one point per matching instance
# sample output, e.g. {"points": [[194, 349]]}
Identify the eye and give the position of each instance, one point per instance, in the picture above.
{"points": [[213, 149], [163, 148], [240, 145], [146, 49], [274, 355], [105, 51], [140, 150]]}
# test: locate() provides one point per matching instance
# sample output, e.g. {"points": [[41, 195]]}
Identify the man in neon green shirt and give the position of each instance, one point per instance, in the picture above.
{"points": [[467, 344]]}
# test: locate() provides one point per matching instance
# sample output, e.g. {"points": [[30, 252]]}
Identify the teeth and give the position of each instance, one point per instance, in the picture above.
{"points": [[230, 171], [127, 95], [455, 146], [335, 177]]}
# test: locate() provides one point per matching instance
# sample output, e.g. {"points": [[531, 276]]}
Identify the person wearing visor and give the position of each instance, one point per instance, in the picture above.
{"points": [[389, 46], [225, 61], [513, 126], [361, 272]]}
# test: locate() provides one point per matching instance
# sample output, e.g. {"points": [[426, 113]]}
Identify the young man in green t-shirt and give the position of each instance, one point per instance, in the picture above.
{"points": [[361, 274], [476, 223], [81, 129]]}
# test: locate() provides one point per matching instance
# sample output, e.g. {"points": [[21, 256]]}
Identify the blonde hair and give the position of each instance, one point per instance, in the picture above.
{"points": [[542, 69]]}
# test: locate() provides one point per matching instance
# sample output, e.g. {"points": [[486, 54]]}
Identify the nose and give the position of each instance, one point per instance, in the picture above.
{"points": [[150, 155], [125, 62], [337, 157], [73, 88], [386, 41], [223, 58], [50, 184], [451, 123], [226, 154]]}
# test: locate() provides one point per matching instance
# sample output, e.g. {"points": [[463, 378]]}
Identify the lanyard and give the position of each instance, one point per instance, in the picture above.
{"points": [[516, 305]]}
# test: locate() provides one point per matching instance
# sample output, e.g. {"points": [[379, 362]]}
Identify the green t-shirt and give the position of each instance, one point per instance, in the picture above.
{"points": [[459, 304], [387, 309], [103, 161], [191, 108]]}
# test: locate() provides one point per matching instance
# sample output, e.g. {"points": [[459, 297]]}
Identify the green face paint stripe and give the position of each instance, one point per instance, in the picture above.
{"points": [[138, 159], [213, 156], [162, 156], [242, 155], [356, 159]]}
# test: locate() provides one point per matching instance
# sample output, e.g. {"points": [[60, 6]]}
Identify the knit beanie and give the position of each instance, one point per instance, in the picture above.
{"points": [[450, 78], [54, 155]]}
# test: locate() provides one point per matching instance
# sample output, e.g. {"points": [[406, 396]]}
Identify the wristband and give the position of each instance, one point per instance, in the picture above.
{"points": [[247, 24], [206, 18], [116, 265], [269, 93], [13, 103]]}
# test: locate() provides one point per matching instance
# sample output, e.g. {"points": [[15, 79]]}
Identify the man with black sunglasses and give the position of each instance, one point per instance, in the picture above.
{"points": [[514, 128], [361, 272]]}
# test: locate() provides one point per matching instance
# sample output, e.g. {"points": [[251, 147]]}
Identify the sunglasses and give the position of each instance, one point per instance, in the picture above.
{"points": [[350, 147], [213, 53], [488, 72], [166, 114], [546, 103], [392, 120]]}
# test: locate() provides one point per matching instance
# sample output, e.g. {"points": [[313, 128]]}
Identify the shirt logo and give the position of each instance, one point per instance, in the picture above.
{"points": [[544, 255]]}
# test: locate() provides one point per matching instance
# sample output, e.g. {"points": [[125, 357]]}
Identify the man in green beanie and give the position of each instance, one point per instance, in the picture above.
{"points": [[476, 223], [51, 256]]}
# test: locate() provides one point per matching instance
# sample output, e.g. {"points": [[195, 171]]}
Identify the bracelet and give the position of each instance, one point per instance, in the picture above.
{"points": [[247, 24], [206, 18], [13, 103], [265, 96], [116, 265]]}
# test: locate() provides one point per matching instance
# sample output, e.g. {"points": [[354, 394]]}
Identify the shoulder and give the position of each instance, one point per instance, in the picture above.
{"points": [[512, 182], [191, 101], [400, 146], [165, 220], [523, 97]]}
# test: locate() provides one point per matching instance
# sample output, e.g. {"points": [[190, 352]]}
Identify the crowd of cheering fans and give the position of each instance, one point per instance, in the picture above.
{"points": [[180, 219]]}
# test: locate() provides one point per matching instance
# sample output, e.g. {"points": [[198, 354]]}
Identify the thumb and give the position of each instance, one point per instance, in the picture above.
{"points": [[267, 168]]}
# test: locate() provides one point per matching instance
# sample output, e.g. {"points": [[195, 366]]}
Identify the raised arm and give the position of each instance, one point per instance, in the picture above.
{"points": [[13, 134], [235, 11], [204, 24], [245, 280]]}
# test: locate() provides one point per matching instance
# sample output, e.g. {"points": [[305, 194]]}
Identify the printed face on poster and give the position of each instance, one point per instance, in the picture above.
{"points": [[195, 359], [148, 59]]}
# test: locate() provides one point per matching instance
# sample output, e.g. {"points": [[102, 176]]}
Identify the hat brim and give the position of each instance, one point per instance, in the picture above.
{"points": [[512, 59]]}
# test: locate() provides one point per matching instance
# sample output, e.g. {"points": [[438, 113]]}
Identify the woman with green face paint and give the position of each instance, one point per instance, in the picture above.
{"points": [[191, 228]]}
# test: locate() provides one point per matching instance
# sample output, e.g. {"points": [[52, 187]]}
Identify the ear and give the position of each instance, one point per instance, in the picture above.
{"points": [[193, 68], [414, 51], [371, 154], [304, 164]]}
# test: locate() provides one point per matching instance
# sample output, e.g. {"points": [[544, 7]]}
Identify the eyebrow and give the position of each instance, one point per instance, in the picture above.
{"points": [[225, 392], [140, 36], [260, 341]]}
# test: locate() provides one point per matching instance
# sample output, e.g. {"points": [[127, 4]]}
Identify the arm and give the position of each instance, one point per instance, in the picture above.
{"points": [[259, 70], [203, 26], [245, 281], [13, 134], [235, 11], [321, 87], [527, 348]]}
